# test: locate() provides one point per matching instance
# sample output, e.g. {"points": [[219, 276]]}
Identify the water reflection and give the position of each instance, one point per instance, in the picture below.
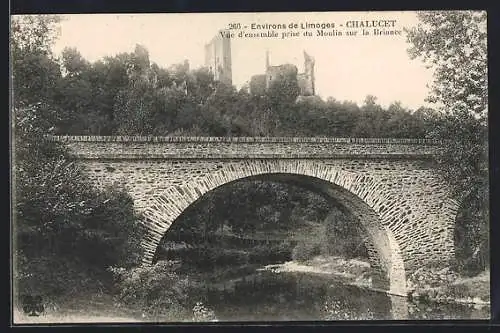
{"points": [[290, 296]]}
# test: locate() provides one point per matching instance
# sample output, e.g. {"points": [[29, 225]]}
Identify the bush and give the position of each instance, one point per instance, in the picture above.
{"points": [[50, 277], [270, 253], [157, 290], [111, 235], [74, 252], [338, 310], [471, 241], [305, 251], [202, 313], [66, 231]]}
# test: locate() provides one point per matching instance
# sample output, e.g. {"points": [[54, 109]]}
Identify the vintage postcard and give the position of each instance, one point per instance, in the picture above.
{"points": [[243, 167]]}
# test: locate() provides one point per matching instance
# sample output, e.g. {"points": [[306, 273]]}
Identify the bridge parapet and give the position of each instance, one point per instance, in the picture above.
{"points": [[238, 139], [154, 147]]}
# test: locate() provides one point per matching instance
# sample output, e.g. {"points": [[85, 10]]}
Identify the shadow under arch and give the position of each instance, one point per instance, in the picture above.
{"points": [[385, 255]]}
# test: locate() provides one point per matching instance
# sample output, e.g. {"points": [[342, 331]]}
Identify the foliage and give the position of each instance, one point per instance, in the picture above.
{"points": [[270, 253], [344, 236], [202, 313], [437, 284], [61, 218], [283, 92], [251, 207], [34, 70], [304, 251], [254, 221], [158, 290], [338, 310], [454, 44], [66, 231], [128, 94]]}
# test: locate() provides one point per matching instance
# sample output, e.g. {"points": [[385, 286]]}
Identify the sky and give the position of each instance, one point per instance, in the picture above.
{"points": [[346, 67]]}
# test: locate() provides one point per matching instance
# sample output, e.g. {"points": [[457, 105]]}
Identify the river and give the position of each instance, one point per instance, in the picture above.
{"points": [[269, 295]]}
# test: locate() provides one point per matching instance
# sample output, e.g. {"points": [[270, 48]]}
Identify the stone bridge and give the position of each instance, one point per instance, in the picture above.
{"points": [[391, 186]]}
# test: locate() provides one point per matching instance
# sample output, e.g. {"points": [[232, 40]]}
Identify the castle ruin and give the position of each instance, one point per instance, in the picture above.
{"points": [[260, 83], [218, 58], [218, 61]]}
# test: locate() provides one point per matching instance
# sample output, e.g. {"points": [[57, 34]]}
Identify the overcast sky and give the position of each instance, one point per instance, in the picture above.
{"points": [[347, 68]]}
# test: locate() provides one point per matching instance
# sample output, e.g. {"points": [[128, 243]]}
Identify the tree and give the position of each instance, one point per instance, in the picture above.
{"points": [[64, 229], [140, 59], [34, 69], [73, 62], [283, 92], [135, 106], [454, 44], [74, 93]]}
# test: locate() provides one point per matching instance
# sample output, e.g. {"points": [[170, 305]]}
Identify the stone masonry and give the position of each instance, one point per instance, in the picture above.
{"points": [[390, 186]]}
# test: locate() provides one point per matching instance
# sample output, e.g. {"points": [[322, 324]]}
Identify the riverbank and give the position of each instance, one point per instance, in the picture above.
{"points": [[446, 286], [250, 282], [351, 271], [436, 285]]}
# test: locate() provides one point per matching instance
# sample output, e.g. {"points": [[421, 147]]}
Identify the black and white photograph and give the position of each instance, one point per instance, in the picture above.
{"points": [[249, 167]]}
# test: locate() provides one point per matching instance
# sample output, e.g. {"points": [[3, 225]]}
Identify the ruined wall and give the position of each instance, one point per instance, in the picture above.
{"points": [[307, 79], [304, 80], [218, 58], [306, 84], [275, 74]]}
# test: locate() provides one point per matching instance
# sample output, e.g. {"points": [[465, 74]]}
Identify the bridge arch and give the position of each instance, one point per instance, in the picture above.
{"points": [[360, 195], [396, 178]]}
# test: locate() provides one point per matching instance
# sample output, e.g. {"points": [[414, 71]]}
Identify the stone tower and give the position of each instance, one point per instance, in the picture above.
{"points": [[218, 57], [267, 60], [306, 79]]}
